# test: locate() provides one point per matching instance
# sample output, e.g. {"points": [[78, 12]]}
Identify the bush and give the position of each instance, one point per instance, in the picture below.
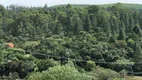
{"points": [[90, 65], [61, 73], [45, 64], [106, 74]]}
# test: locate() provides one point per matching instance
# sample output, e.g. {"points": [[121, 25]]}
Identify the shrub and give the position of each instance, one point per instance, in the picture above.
{"points": [[45, 64], [61, 73], [106, 74]]}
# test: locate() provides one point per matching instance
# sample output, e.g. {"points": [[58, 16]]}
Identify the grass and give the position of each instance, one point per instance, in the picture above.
{"points": [[134, 78], [129, 78]]}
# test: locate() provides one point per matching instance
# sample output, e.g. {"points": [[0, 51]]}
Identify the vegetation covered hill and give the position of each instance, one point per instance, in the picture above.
{"points": [[124, 5], [91, 43]]}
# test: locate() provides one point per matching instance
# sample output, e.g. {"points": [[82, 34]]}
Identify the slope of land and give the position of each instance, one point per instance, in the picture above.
{"points": [[125, 5], [71, 43]]}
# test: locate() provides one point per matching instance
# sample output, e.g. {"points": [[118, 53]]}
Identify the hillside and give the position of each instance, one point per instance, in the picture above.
{"points": [[70, 43], [125, 5]]}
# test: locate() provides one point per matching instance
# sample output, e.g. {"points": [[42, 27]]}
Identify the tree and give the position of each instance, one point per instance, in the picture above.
{"points": [[45, 7], [93, 20], [3, 11], [127, 23], [116, 7], [132, 23], [122, 35], [87, 25], [107, 28], [93, 9], [114, 22], [68, 6], [58, 28], [69, 10], [1, 27], [137, 30], [138, 53], [69, 26], [46, 64], [90, 65], [78, 25]]}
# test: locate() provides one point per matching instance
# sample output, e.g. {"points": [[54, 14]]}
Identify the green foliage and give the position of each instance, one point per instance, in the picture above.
{"points": [[93, 9], [16, 50], [138, 53], [12, 76], [130, 41], [105, 74], [90, 65], [123, 64], [45, 64], [124, 61], [61, 73], [74, 36], [122, 35], [87, 26], [123, 5], [30, 44]]}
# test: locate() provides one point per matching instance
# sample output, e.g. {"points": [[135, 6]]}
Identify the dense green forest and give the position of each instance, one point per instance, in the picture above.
{"points": [[70, 43]]}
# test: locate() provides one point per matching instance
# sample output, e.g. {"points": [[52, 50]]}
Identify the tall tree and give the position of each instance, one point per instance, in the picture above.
{"points": [[132, 23], [93, 20], [122, 35], [114, 25], [127, 22], [137, 30], [45, 7], [1, 30], [87, 25], [138, 53], [107, 28], [78, 26]]}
